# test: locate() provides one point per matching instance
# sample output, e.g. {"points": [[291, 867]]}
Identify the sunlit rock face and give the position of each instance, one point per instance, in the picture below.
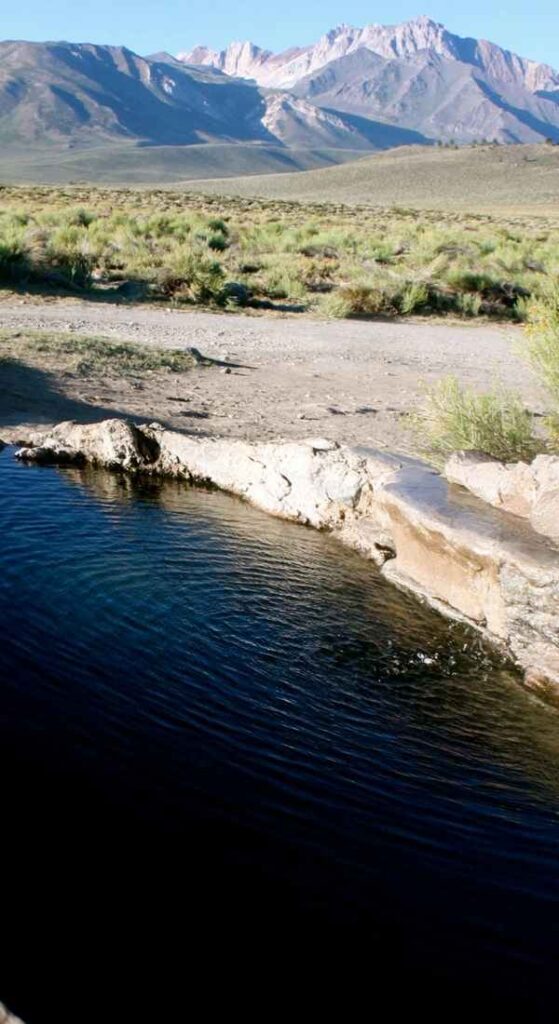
{"points": [[470, 559]]}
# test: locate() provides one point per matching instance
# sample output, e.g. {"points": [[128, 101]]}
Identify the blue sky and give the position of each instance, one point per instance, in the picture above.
{"points": [[531, 29]]}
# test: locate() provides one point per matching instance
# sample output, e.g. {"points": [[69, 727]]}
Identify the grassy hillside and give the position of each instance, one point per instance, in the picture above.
{"points": [[129, 163], [470, 178]]}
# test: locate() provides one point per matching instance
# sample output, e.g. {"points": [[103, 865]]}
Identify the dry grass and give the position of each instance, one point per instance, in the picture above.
{"points": [[86, 356]]}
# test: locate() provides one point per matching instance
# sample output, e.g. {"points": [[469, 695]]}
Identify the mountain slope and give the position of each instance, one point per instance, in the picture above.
{"points": [[415, 75], [83, 94], [428, 93]]}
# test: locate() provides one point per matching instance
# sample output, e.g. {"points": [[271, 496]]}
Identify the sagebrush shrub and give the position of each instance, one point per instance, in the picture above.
{"points": [[456, 418]]}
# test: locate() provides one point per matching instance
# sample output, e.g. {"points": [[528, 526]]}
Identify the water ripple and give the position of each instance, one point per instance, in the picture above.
{"points": [[210, 667]]}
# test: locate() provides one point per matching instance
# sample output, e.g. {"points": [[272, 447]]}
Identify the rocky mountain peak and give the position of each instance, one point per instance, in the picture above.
{"points": [[402, 42]]}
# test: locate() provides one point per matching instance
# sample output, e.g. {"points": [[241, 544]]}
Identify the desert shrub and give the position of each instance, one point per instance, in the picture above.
{"points": [[471, 281], [552, 428], [191, 276], [216, 224], [17, 218], [207, 280], [318, 276], [335, 305], [455, 418], [14, 259], [69, 256], [369, 299], [487, 246], [72, 266], [81, 217], [542, 341], [281, 282], [414, 297], [469, 304], [383, 253], [218, 243], [522, 309], [66, 265]]}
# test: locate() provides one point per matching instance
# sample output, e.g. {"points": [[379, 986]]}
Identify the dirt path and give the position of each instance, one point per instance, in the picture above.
{"points": [[349, 380]]}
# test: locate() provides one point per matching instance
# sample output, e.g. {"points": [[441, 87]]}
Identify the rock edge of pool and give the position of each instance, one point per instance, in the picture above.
{"points": [[480, 543]]}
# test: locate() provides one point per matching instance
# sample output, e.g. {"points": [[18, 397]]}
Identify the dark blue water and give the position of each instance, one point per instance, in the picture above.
{"points": [[229, 749]]}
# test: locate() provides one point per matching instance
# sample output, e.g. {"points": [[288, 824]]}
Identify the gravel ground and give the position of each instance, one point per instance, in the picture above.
{"points": [[353, 381]]}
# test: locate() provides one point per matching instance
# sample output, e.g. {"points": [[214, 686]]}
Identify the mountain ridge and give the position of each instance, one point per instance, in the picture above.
{"points": [[505, 97], [90, 94], [402, 40]]}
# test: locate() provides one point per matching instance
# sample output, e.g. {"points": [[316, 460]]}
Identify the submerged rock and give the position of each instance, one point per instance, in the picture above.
{"points": [[470, 560]]}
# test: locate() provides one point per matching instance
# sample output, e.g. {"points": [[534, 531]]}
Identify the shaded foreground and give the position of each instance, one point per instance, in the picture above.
{"points": [[242, 766]]}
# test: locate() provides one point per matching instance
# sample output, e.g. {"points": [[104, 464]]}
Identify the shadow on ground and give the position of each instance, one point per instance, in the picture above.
{"points": [[33, 396], [132, 292], [30, 396]]}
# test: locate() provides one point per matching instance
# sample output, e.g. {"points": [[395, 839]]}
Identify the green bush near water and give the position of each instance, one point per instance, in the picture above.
{"points": [[455, 418], [542, 342]]}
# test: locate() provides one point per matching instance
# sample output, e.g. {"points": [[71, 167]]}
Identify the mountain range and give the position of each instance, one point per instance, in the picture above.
{"points": [[416, 75], [354, 91], [85, 94]]}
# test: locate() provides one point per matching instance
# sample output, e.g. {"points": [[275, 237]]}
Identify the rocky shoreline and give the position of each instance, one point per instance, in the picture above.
{"points": [[471, 559]]}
